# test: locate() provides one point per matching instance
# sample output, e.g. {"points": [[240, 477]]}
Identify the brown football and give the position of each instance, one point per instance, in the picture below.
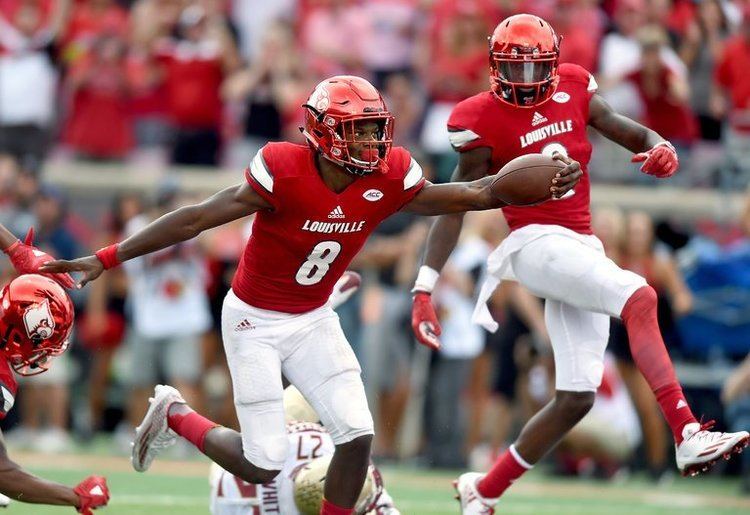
{"points": [[526, 180]]}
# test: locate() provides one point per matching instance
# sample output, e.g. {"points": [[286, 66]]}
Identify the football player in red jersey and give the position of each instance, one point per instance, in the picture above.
{"points": [[537, 105], [316, 204], [36, 317]]}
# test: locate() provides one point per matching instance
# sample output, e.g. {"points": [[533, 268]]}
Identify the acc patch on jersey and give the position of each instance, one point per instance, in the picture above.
{"points": [[372, 195], [560, 97]]}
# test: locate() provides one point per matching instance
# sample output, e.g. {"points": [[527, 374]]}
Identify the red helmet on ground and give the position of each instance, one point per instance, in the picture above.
{"points": [[331, 113], [36, 317], [524, 55]]}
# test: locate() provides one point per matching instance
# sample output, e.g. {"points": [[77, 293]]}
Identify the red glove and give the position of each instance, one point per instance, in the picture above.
{"points": [[424, 320], [661, 161], [93, 493], [27, 259]]}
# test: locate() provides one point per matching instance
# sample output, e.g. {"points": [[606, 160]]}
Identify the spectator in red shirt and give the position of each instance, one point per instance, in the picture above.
{"points": [[732, 97], [151, 21], [28, 77], [700, 49], [90, 20], [665, 94], [453, 65], [272, 88], [581, 25], [194, 68], [329, 35], [99, 125]]}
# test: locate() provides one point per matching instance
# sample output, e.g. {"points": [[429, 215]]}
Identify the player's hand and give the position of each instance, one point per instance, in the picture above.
{"points": [[424, 320], [28, 259], [660, 161], [92, 493], [344, 288], [89, 265], [567, 178]]}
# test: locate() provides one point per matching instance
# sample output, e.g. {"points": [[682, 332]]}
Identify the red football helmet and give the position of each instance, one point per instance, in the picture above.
{"points": [[331, 113], [36, 317], [524, 55]]}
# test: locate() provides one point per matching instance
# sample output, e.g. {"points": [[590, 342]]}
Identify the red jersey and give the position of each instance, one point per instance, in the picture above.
{"points": [[298, 250], [731, 74], [8, 387], [670, 118], [558, 124], [193, 75]]}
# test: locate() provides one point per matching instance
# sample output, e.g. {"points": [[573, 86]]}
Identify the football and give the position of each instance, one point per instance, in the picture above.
{"points": [[526, 180]]}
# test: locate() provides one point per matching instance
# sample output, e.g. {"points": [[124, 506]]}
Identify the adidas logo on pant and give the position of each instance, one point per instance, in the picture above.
{"points": [[245, 325]]}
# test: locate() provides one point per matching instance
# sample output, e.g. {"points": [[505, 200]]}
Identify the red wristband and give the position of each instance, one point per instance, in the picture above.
{"points": [[12, 247], [108, 256]]}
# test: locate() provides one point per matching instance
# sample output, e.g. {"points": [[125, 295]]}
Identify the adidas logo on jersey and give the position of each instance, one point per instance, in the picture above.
{"points": [[537, 119], [245, 325], [337, 213], [681, 404]]}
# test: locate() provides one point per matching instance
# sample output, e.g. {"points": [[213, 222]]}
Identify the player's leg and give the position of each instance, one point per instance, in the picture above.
{"points": [[563, 268], [579, 338], [257, 453], [322, 365]]}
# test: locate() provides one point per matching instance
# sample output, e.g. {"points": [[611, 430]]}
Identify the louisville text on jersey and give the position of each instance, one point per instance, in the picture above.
{"points": [[333, 227], [545, 132]]}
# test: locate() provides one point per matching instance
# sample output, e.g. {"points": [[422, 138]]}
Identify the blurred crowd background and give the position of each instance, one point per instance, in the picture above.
{"points": [[163, 85]]}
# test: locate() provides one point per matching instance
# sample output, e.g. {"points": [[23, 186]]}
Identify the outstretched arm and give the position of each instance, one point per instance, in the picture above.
{"points": [[472, 165], [179, 225], [23, 486], [454, 197], [620, 129], [657, 154]]}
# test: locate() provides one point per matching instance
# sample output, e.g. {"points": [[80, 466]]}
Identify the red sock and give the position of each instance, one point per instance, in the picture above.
{"points": [[328, 508], [651, 358], [508, 467], [189, 425]]}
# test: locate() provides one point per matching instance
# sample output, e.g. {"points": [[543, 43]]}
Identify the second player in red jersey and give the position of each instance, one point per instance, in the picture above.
{"points": [[315, 206], [557, 125], [536, 105]]}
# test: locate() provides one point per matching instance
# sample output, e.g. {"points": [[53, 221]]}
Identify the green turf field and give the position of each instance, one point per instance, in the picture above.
{"points": [[181, 488]]}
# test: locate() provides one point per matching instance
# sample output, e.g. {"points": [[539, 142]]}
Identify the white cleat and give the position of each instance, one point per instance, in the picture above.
{"points": [[154, 434], [4, 501], [472, 503], [385, 505], [701, 449]]}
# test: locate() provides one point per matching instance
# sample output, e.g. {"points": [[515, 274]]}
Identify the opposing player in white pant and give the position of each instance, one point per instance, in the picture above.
{"points": [[298, 489], [538, 106]]}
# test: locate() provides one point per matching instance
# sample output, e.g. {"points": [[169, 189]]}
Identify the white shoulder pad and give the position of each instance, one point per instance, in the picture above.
{"points": [[413, 175], [260, 173], [7, 399], [460, 138], [593, 86]]}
